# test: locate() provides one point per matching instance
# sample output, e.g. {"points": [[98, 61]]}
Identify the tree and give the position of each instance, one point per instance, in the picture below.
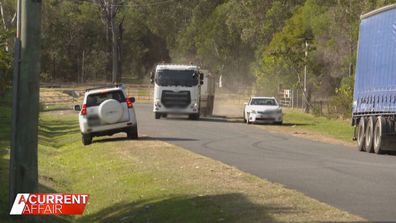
{"points": [[109, 10]]}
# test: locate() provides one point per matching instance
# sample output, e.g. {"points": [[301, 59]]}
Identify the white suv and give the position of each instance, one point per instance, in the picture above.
{"points": [[106, 111]]}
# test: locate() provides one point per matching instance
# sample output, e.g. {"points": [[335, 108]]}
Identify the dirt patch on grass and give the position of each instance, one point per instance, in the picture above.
{"points": [[306, 134]]}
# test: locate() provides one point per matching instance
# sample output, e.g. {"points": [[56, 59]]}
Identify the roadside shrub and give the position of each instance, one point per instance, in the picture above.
{"points": [[341, 103], [5, 63]]}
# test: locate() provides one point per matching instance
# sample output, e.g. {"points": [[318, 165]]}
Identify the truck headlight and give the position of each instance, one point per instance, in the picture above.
{"points": [[194, 105], [157, 104]]}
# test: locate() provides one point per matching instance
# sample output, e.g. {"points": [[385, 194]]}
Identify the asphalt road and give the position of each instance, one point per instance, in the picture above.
{"points": [[361, 183]]}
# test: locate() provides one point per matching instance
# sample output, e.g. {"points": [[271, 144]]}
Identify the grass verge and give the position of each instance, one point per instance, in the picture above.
{"points": [[313, 127], [152, 181]]}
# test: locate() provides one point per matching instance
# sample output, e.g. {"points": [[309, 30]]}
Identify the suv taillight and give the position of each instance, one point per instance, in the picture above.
{"points": [[129, 103], [84, 109]]}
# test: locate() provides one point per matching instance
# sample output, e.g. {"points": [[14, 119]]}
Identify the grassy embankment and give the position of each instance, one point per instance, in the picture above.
{"points": [[336, 128], [152, 181]]}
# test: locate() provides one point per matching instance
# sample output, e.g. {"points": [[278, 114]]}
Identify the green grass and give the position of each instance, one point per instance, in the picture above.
{"points": [[152, 181], [339, 129]]}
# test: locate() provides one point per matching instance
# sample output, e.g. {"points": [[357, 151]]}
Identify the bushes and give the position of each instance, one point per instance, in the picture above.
{"points": [[5, 63], [341, 103]]}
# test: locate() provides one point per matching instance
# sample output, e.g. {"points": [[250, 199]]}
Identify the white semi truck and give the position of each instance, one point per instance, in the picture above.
{"points": [[182, 90]]}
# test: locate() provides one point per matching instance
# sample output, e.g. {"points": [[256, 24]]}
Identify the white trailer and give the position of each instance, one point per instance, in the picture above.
{"points": [[207, 93]]}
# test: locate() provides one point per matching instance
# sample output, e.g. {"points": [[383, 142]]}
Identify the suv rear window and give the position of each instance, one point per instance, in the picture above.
{"points": [[98, 98]]}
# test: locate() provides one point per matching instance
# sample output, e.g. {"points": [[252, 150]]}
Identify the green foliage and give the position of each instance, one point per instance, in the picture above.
{"points": [[248, 42], [5, 63], [341, 102]]}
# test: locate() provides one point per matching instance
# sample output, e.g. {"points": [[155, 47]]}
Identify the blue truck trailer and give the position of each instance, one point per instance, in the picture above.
{"points": [[374, 99]]}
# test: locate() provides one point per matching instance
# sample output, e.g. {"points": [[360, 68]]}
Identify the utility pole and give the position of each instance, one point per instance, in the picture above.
{"points": [[23, 158], [83, 67], [305, 77], [114, 41]]}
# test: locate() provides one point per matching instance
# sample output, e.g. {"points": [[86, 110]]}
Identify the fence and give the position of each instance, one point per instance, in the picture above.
{"points": [[62, 97], [295, 99]]}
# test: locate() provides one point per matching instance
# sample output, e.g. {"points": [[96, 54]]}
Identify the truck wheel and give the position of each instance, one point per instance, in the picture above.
{"points": [[86, 139], [157, 115], [379, 131], [194, 116], [361, 134], [370, 135], [132, 132], [165, 115]]}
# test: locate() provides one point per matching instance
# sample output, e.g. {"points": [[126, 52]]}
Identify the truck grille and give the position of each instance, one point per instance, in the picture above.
{"points": [[171, 99]]}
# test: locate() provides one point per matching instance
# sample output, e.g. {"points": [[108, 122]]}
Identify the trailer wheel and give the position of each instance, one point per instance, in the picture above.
{"points": [[370, 135], [379, 135], [360, 134]]}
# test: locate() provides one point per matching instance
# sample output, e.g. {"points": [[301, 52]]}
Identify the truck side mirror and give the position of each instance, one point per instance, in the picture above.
{"points": [[77, 108], [201, 76], [151, 78]]}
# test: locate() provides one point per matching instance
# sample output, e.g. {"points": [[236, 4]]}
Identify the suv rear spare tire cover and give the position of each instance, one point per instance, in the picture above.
{"points": [[110, 111]]}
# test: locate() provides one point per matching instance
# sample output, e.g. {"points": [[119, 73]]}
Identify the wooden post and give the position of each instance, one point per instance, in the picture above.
{"points": [[23, 158]]}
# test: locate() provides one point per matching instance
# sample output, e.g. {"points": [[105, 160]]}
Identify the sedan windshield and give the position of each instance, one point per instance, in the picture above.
{"points": [[263, 101], [176, 78]]}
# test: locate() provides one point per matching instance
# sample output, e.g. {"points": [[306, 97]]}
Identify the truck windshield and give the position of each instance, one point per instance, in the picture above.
{"points": [[176, 78]]}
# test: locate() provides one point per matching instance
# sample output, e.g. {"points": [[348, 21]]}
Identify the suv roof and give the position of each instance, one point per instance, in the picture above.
{"points": [[104, 88]]}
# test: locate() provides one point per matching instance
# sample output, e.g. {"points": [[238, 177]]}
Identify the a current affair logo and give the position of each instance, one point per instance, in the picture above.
{"points": [[49, 204]]}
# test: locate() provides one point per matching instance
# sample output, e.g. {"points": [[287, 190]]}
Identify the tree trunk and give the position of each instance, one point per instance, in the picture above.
{"points": [[114, 33]]}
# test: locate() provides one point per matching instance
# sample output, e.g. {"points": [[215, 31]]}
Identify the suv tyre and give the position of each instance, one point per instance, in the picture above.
{"points": [[132, 132], [86, 139]]}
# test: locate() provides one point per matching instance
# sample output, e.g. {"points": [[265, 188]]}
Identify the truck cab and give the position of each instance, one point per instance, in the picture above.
{"points": [[177, 90]]}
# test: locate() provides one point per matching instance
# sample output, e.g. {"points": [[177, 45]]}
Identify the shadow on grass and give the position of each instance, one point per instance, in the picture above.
{"points": [[55, 128], [223, 119], [49, 130], [169, 139], [232, 207], [143, 138], [287, 124]]}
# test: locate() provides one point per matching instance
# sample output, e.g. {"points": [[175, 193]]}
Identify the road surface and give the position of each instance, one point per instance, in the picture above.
{"points": [[361, 183]]}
